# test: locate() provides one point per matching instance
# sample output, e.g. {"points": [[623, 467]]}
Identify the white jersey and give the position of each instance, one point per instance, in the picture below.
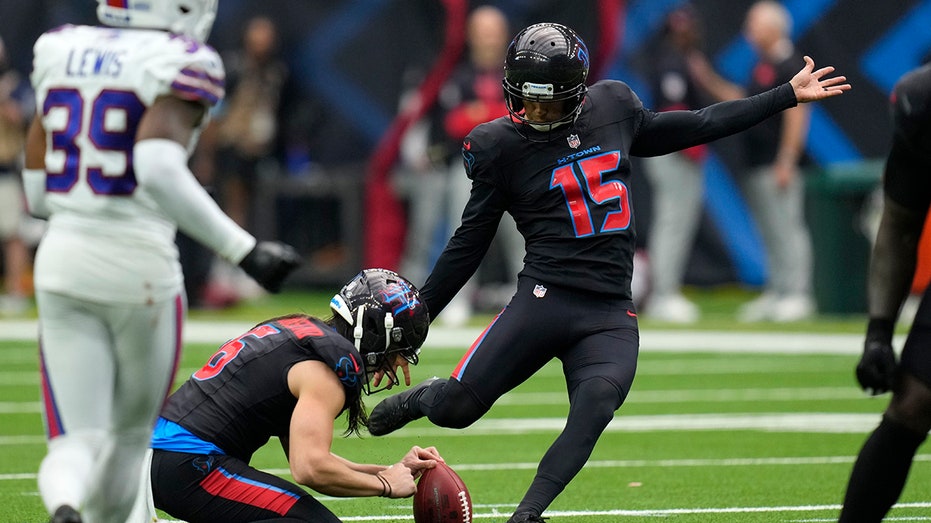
{"points": [[107, 238]]}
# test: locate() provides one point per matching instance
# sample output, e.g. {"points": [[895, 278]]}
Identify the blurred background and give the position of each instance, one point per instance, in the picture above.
{"points": [[345, 86]]}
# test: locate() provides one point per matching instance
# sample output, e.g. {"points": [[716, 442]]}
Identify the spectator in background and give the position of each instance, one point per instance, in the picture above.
{"points": [[238, 147], [772, 183], [244, 129], [440, 186], [883, 464], [677, 179], [16, 109]]}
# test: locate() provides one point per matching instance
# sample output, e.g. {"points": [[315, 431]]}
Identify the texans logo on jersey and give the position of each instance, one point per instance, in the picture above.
{"points": [[347, 370], [467, 157], [203, 464]]}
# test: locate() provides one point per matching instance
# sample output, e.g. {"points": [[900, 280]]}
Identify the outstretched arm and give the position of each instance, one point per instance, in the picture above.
{"points": [[663, 133]]}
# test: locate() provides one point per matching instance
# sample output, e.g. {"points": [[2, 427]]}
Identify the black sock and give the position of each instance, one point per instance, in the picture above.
{"points": [[879, 474]]}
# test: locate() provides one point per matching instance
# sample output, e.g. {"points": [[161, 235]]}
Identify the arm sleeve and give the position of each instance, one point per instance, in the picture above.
{"points": [[663, 133], [161, 168], [465, 250], [34, 187]]}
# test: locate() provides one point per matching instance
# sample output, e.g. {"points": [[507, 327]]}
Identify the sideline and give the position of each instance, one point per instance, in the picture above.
{"points": [[196, 331]]}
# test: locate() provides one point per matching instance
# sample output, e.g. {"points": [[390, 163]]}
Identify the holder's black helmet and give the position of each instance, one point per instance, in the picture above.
{"points": [[546, 62], [382, 313]]}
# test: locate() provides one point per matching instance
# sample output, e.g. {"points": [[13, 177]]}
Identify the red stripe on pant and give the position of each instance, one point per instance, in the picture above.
{"points": [[53, 425], [224, 484]]}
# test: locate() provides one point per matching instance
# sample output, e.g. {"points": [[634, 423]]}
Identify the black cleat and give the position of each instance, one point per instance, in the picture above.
{"points": [[396, 411], [526, 517], [65, 514]]}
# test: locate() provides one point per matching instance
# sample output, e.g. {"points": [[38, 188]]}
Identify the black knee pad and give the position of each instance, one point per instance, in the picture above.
{"points": [[454, 406]]}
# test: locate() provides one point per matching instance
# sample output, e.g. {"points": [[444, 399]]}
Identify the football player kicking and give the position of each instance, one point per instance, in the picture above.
{"points": [[560, 165], [290, 377], [882, 466], [106, 162]]}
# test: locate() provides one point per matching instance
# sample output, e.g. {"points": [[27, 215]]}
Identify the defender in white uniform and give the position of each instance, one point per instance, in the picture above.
{"points": [[119, 109]]}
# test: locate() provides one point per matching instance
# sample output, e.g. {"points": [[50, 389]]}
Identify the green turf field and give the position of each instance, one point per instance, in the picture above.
{"points": [[724, 424]]}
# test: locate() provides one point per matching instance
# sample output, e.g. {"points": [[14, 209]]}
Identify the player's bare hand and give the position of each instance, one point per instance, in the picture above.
{"points": [[399, 362], [399, 480], [419, 459], [811, 85]]}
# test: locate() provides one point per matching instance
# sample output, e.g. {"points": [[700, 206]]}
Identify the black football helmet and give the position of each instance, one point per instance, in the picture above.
{"points": [[546, 62], [381, 313]]}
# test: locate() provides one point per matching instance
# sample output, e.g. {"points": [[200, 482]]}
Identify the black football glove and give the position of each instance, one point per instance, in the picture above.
{"points": [[876, 369], [269, 263]]}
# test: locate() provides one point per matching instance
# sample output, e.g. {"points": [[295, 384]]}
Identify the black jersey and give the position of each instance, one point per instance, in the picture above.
{"points": [[907, 177], [911, 103], [240, 398], [569, 195]]}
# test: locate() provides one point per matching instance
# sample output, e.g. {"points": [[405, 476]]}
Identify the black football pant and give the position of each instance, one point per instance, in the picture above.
{"points": [[208, 489], [596, 339]]}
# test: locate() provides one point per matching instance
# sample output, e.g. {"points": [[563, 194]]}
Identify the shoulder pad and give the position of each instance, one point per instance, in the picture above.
{"points": [[189, 70]]}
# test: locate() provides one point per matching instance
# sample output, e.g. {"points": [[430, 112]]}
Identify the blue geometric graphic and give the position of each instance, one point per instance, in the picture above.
{"points": [[831, 144], [318, 70], [901, 49], [739, 235]]}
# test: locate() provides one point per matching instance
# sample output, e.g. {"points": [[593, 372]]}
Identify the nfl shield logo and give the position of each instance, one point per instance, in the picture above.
{"points": [[574, 141], [539, 291]]}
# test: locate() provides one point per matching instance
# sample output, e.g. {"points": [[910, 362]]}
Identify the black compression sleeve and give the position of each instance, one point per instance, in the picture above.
{"points": [[667, 132], [465, 250]]}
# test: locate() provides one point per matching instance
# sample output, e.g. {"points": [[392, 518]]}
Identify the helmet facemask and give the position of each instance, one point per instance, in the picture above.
{"points": [[545, 63], [540, 93], [377, 355]]}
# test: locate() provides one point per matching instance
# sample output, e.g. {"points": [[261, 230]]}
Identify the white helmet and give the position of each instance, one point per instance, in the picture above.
{"points": [[192, 18]]}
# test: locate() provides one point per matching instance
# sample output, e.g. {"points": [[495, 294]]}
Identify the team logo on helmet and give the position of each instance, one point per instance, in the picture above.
{"points": [[582, 52], [401, 298]]}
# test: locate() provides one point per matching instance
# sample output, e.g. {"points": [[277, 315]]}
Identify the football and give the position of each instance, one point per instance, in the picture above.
{"points": [[442, 497]]}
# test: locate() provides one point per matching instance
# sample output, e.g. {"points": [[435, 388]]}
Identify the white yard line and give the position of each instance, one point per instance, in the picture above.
{"points": [[619, 513], [650, 339], [611, 464], [653, 513], [814, 422]]}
